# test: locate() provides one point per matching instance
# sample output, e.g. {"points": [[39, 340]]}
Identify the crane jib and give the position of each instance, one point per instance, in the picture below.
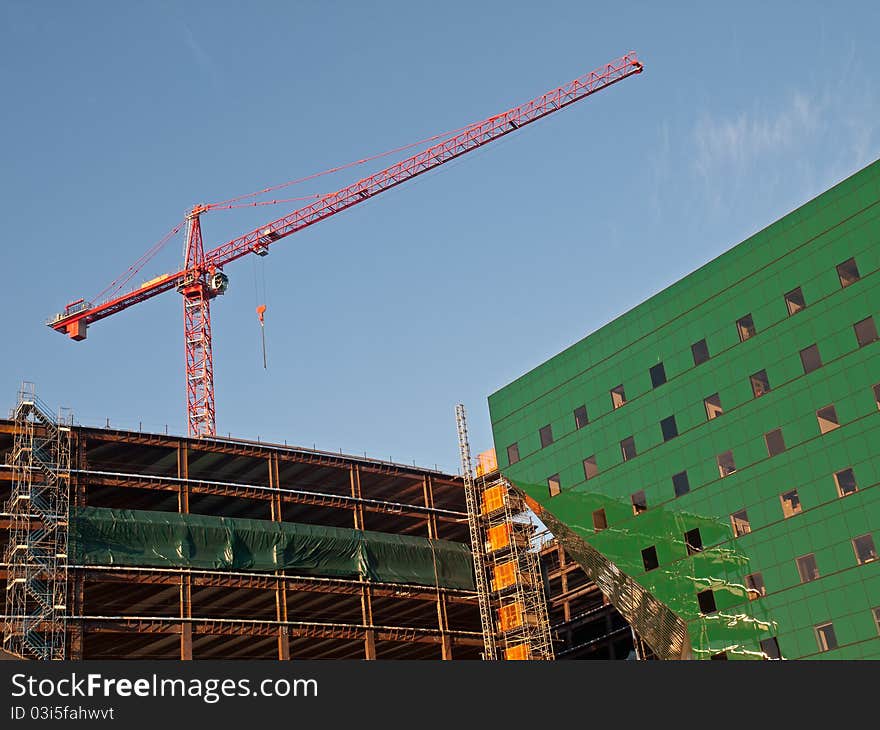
{"points": [[202, 277]]}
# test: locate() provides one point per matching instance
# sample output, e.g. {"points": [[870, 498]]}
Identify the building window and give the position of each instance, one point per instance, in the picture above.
{"points": [[554, 485], [669, 428], [740, 522], [791, 503], [866, 331], [658, 375], [713, 406], [825, 637], [726, 464], [770, 647], [848, 273], [745, 328], [706, 601], [877, 395], [600, 521], [580, 417], [546, 434], [591, 469], [807, 568], [693, 541], [639, 502], [775, 442], [755, 586], [618, 396], [877, 618], [649, 558], [864, 548], [760, 383], [845, 479], [827, 418], [628, 448], [700, 351], [680, 483], [513, 453], [794, 300], [811, 359]]}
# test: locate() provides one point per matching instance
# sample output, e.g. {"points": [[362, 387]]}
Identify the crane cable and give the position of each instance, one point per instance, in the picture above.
{"points": [[230, 202]]}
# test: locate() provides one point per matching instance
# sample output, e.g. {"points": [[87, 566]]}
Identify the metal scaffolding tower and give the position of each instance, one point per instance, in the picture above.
{"points": [[38, 508], [477, 535], [513, 606]]}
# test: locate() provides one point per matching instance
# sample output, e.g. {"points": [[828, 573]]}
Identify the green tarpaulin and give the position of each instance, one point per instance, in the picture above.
{"points": [[101, 536]]}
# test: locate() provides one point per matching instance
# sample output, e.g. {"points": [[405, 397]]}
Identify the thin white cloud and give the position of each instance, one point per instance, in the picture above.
{"points": [[201, 57], [736, 144]]}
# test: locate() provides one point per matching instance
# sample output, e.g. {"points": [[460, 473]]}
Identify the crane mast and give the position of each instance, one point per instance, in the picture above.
{"points": [[202, 279]]}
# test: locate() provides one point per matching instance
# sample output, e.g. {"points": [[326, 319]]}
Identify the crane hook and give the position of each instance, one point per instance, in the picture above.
{"points": [[261, 312]]}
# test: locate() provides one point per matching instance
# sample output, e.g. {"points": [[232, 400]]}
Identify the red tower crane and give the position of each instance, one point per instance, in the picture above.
{"points": [[201, 279]]}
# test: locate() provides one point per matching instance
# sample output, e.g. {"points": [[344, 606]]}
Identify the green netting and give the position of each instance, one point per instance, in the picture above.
{"points": [[101, 536]]}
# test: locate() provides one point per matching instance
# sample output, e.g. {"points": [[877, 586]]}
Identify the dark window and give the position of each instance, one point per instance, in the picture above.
{"points": [[600, 521], [866, 331], [848, 273], [827, 418], [649, 558], [864, 547], [513, 453], [580, 417], [706, 601], [740, 522], [618, 396], [794, 300], [590, 467], [791, 503], [680, 483], [693, 541], [546, 434], [639, 502], [877, 618], [726, 464], [658, 374], [760, 383], [755, 586], [628, 448], [554, 485], [668, 427], [713, 406], [720, 656], [846, 482], [700, 351], [775, 442], [811, 359], [807, 568], [825, 637], [745, 328], [770, 647], [876, 389]]}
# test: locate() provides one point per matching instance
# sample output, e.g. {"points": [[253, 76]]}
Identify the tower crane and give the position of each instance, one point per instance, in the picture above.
{"points": [[202, 276]]}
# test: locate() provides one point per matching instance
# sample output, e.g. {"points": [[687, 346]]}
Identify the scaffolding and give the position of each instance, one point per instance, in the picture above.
{"points": [[513, 606], [38, 509]]}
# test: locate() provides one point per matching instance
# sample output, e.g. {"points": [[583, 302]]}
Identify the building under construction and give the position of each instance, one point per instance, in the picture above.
{"points": [[208, 548]]}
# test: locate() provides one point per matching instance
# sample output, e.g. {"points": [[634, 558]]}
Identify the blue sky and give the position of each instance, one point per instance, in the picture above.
{"points": [[117, 117]]}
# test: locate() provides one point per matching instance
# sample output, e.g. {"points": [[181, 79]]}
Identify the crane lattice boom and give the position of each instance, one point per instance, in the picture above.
{"points": [[202, 278]]}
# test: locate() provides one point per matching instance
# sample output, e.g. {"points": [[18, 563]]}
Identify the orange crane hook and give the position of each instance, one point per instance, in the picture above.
{"points": [[261, 312]]}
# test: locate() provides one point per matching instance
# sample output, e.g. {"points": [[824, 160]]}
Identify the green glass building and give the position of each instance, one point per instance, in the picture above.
{"points": [[711, 456]]}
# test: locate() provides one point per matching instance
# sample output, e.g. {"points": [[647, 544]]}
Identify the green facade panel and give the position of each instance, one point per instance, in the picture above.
{"points": [[773, 441]]}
